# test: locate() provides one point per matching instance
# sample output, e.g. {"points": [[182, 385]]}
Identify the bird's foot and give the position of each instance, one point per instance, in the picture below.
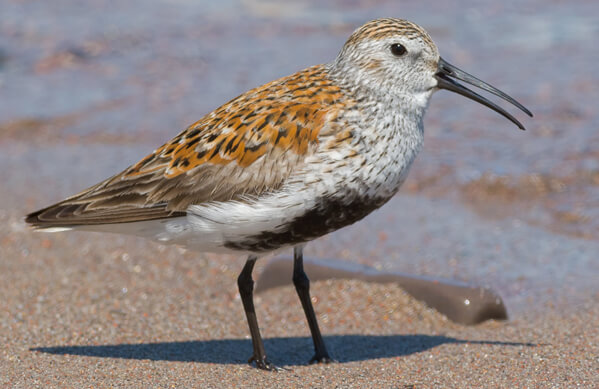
{"points": [[321, 358], [263, 364]]}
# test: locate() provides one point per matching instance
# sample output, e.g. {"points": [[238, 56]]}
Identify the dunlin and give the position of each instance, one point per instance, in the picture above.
{"points": [[284, 163]]}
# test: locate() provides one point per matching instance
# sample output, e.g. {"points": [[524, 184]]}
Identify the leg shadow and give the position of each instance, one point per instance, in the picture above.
{"points": [[283, 351]]}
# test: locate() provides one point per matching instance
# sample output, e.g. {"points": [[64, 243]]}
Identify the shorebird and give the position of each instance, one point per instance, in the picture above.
{"points": [[284, 163]]}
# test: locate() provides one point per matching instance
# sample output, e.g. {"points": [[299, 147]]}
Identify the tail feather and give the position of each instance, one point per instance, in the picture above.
{"points": [[66, 215]]}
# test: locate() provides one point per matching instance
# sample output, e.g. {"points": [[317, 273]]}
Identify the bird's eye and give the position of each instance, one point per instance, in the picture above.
{"points": [[397, 49]]}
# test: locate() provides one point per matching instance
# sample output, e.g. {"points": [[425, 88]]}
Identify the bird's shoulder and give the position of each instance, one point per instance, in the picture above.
{"points": [[286, 114]]}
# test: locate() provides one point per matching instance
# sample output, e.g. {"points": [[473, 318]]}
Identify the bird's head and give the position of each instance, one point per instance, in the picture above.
{"points": [[395, 57]]}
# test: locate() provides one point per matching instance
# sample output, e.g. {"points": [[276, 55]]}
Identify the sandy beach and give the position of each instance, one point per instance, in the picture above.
{"points": [[88, 89]]}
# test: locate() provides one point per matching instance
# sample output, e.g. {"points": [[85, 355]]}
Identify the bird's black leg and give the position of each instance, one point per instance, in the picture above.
{"points": [[302, 286], [246, 291]]}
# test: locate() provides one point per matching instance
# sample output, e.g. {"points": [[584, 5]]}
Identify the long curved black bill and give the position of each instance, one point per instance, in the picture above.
{"points": [[446, 70]]}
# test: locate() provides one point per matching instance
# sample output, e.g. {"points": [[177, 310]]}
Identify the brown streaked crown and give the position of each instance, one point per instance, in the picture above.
{"points": [[388, 27]]}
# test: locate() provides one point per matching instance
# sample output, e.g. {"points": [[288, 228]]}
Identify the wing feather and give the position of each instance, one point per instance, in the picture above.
{"points": [[248, 146]]}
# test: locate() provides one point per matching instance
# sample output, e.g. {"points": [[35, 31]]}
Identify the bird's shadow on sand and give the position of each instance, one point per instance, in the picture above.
{"points": [[281, 351]]}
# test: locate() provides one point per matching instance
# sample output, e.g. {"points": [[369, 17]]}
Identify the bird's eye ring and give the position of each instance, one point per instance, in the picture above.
{"points": [[397, 49]]}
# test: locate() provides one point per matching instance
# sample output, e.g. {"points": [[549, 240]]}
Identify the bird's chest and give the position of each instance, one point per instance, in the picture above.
{"points": [[383, 150]]}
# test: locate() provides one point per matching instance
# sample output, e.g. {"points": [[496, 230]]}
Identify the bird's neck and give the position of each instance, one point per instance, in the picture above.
{"points": [[383, 93]]}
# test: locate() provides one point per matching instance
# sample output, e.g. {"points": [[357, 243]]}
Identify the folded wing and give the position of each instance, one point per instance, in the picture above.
{"points": [[248, 146]]}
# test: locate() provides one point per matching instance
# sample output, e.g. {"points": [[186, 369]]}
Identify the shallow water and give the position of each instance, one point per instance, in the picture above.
{"points": [[89, 88]]}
